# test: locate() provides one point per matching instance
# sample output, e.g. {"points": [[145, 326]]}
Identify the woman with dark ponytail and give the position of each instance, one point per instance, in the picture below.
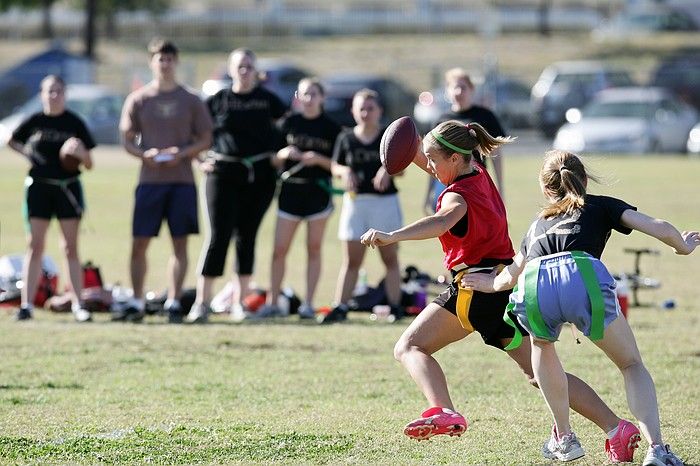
{"points": [[471, 225]]}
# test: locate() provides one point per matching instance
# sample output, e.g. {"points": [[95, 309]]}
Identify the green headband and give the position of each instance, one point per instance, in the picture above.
{"points": [[442, 141]]}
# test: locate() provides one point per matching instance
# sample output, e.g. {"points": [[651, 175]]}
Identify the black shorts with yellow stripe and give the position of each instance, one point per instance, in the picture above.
{"points": [[477, 311]]}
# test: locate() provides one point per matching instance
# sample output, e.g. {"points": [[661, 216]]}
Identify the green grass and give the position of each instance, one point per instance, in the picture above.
{"points": [[286, 392]]}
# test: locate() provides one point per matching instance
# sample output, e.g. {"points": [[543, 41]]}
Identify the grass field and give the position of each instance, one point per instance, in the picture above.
{"points": [[294, 393]]}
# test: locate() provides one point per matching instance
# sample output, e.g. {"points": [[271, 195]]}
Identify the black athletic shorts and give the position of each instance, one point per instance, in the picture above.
{"points": [[483, 312], [46, 199], [304, 200]]}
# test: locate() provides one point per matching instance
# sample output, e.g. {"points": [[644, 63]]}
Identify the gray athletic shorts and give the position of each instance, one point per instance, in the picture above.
{"points": [[562, 296], [361, 212]]}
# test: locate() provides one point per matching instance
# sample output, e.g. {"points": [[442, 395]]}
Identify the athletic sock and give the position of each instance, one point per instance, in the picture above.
{"points": [[612, 433]]}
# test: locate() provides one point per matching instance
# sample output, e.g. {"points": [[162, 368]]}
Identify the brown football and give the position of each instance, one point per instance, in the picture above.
{"points": [[69, 162], [399, 144]]}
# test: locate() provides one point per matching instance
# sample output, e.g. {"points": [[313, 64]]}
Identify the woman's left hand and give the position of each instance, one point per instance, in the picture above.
{"points": [[478, 282], [381, 180]]}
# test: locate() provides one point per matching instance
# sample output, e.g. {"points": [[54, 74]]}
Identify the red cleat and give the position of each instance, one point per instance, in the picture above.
{"points": [[436, 421]]}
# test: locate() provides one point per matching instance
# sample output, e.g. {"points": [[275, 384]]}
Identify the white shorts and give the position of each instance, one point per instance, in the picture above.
{"points": [[365, 211]]}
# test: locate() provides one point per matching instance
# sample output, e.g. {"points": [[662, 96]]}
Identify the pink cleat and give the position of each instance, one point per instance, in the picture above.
{"points": [[620, 448], [436, 421]]}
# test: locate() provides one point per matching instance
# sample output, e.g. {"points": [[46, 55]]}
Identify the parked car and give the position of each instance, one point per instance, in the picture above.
{"points": [[507, 97], [278, 76], [394, 97], [632, 120], [693, 144], [681, 75], [572, 84], [98, 106], [647, 19]]}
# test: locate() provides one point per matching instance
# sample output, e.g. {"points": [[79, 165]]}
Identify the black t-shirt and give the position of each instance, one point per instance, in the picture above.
{"points": [[43, 135], [476, 114], [316, 135], [244, 123], [363, 160], [588, 229]]}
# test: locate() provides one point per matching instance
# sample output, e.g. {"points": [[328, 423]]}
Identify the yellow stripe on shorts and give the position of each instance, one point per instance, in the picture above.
{"points": [[464, 301]]}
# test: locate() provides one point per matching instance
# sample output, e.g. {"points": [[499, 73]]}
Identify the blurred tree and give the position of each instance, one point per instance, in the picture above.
{"points": [[45, 5], [108, 10]]}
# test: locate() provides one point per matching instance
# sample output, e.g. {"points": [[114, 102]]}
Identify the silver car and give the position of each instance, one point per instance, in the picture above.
{"points": [[628, 120], [99, 107]]}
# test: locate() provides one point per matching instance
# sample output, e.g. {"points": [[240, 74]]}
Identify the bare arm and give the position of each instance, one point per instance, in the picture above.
{"points": [[489, 283], [422, 161], [453, 208], [129, 143], [18, 147], [200, 143], [682, 243], [497, 159]]}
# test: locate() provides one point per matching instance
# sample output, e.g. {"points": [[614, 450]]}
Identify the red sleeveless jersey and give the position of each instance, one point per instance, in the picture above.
{"points": [[487, 226]]}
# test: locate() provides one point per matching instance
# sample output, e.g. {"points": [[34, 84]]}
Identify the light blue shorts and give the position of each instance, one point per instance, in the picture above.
{"points": [[562, 296]]}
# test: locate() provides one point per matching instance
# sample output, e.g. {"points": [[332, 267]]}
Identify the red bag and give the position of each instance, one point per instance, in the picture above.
{"points": [[91, 276]]}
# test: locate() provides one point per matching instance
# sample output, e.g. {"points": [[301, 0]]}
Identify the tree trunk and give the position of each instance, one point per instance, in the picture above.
{"points": [[90, 38], [545, 6], [46, 23], [110, 24]]}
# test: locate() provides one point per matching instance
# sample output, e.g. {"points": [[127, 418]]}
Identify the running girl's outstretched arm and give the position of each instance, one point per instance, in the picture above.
{"points": [[452, 209], [682, 243], [501, 282]]}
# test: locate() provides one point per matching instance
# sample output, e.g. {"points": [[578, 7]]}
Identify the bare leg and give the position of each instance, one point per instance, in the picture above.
{"points": [[139, 264], [204, 289], [433, 329], [392, 284], [314, 243], [31, 268], [284, 234], [69, 244], [177, 267], [241, 287], [551, 378], [352, 260], [582, 398], [619, 344]]}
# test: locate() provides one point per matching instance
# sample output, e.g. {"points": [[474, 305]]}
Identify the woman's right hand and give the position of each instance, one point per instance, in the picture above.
{"points": [[691, 240], [374, 238], [289, 153], [206, 165]]}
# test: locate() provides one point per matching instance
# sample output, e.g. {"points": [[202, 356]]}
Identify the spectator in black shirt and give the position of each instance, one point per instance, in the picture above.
{"points": [[460, 90], [240, 179], [52, 190], [304, 196], [370, 201]]}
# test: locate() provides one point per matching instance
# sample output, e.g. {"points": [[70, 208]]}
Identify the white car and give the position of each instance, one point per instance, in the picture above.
{"points": [[628, 120], [693, 144]]}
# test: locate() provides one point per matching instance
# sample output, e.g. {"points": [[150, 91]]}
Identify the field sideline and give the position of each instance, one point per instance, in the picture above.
{"points": [[290, 393]]}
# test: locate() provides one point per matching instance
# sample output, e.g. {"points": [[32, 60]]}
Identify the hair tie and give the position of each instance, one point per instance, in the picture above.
{"points": [[442, 141], [471, 131]]}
